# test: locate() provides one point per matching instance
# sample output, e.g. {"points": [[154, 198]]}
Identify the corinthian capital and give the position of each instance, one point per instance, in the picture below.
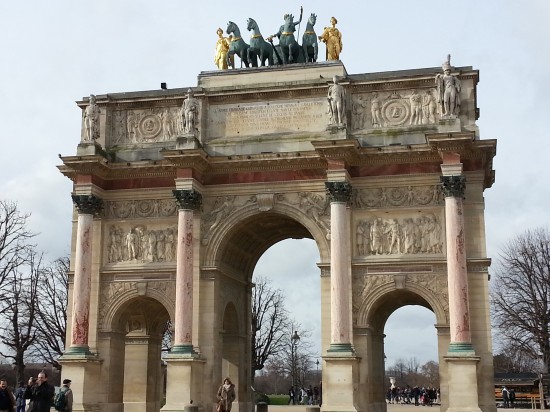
{"points": [[338, 191], [88, 204], [187, 199], [453, 186]]}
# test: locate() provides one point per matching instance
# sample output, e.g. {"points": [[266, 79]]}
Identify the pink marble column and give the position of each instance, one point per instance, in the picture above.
{"points": [[339, 194], [87, 206], [188, 201], [453, 188]]}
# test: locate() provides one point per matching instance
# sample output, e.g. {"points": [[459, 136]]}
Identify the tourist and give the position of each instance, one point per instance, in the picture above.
{"points": [[7, 402], [40, 393], [226, 395], [505, 397], [20, 402], [66, 388]]}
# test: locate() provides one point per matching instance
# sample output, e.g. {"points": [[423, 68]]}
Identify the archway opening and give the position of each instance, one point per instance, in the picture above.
{"points": [[290, 266], [411, 354], [136, 341]]}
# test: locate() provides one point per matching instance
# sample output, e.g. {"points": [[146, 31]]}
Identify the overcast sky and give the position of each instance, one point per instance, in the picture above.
{"points": [[56, 52]]}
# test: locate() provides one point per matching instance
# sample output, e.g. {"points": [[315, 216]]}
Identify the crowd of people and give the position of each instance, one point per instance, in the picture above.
{"points": [[36, 395], [413, 396], [304, 396]]}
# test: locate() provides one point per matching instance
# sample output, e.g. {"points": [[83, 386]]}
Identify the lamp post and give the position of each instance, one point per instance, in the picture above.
{"points": [[293, 343]]}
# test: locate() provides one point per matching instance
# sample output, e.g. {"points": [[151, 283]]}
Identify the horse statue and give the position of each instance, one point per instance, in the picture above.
{"points": [[259, 48], [237, 46], [309, 40], [289, 46]]}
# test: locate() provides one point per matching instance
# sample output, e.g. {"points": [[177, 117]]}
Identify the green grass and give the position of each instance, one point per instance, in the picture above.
{"points": [[278, 399]]}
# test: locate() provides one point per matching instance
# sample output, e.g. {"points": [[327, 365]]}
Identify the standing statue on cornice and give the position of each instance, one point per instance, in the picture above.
{"points": [[190, 113], [222, 47], [91, 120], [448, 90], [333, 39], [337, 103]]}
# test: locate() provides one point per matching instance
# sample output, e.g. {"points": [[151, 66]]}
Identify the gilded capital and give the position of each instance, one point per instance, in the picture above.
{"points": [[187, 199], [88, 204], [453, 186], [338, 191]]}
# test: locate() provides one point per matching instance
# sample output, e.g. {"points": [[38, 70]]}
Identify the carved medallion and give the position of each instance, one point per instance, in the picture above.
{"points": [[150, 126]]}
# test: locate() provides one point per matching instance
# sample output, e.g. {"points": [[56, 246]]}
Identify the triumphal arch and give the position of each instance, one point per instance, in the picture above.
{"points": [[178, 192]]}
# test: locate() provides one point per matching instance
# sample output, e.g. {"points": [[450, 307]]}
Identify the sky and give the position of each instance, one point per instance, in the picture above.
{"points": [[56, 52]]}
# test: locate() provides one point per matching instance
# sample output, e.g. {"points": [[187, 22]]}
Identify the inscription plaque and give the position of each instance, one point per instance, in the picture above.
{"points": [[252, 119]]}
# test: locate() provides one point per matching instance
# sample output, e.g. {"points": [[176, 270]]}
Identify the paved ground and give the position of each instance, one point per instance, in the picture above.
{"points": [[391, 408]]}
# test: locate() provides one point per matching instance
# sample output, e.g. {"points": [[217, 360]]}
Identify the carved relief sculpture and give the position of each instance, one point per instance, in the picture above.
{"points": [[381, 236], [448, 88], [140, 244], [91, 120], [397, 196]]}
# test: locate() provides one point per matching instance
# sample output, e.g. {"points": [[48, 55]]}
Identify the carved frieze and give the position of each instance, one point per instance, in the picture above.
{"points": [[137, 209], [111, 292], [145, 126], [419, 233], [392, 109], [141, 244], [429, 195], [216, 211]]}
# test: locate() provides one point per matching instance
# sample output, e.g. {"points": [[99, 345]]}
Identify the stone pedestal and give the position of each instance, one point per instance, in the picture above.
{"points": [[89, 149], [184, 382], [340, 383], [463, 394], [187, 141], [449, 125], [84, 371]]}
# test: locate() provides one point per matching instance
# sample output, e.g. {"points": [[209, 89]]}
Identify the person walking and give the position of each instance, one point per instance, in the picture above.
{"points": [[20, 402], [226, 396], [7, 401], [67, 396]]}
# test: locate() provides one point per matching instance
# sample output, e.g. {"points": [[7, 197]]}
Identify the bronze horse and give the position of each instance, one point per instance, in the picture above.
{"points": [[259, 48], [238, 46]]}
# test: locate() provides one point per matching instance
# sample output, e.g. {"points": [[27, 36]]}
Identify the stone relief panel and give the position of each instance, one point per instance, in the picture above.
{"points": [[140, 243], [145, 126], [112, 291], [394, 109], [418, 233], [429, 195], [314, 205], [137, 209], [364, 285]]}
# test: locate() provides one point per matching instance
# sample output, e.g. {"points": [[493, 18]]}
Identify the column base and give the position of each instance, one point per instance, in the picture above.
{"points": [[463, 385], [341, 348], [178, 350], [184, 379], [78, 350], [84, 372], [458, 348], [340, 382]]}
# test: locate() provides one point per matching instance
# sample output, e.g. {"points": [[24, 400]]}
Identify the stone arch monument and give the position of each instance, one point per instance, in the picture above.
{"points": [[170, 221]]}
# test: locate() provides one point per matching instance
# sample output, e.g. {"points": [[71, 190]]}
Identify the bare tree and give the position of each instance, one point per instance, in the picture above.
{"points": [[18, 317], [51, 312], [14, 239], [269, 323], [520, 295]]}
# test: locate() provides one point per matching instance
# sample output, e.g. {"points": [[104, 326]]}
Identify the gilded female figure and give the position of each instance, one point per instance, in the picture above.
{"points": [[333, 39]]}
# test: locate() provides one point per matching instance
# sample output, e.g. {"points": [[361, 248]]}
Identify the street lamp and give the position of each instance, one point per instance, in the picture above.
{"points": [[293, 343]]}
